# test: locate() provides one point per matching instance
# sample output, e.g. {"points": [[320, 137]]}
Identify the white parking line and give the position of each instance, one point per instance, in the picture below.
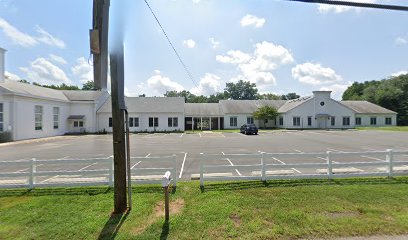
{"points": [[325, 159], [335, 150], [199, 134], [378, 159], [147, 155], [298, 151], [232, 164], [46, 180], [63, 158], [274, 158], [182, 165], [135, 165], [86, 167], [181, 135], [368, 148], [294, 169]]}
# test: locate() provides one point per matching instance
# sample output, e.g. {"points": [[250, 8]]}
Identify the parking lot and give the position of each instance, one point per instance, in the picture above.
{"points": [[188, 146]]}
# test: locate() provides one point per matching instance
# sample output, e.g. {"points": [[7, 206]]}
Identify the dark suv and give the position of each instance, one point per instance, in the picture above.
{"points": [[249, 129]]}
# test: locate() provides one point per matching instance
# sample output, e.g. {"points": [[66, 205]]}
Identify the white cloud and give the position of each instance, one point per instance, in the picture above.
{"points": [[44, 72], [399, 73], [83, 70], [12, 76], [257, 67], [208, 85], [325, 8], [196, 1], [57, 59], [401, 40], [190, 43], [16, 36], [160, 84], [314, 74], [26, 40], [251, 20], [49, 39], [214, 43], [337, 89]]}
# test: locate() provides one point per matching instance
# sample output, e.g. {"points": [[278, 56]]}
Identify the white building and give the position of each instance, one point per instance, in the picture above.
{"points": [[28, 111]]}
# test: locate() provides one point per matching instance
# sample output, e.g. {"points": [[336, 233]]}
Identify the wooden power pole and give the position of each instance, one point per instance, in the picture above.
{"points": [[99, 49]]}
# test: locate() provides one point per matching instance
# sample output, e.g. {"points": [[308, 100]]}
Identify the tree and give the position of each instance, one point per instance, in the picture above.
{"points": [[269, 96], [265, 112], [23, 81], [290, 96], [89, 85], [241, 90]]}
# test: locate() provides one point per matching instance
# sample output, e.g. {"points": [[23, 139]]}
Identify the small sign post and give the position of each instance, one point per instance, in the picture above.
{"points": [[165, 184]]}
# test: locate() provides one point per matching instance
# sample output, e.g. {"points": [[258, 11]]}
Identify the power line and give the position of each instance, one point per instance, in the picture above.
{"points": [[172, 46], [356, 4]]}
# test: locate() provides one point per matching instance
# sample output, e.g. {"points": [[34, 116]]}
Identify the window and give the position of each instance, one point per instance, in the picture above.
{"points": [[296, 121], [309, 121], [358, 120], [233, 121], [250, 120], [333, 121], [38, 111], [153, 122], [281, 121], [388, 121], [133, 122], [172, 122], [373, 121], [55, 111], [346, 121], [1, 118], [110, 122], [78, 124]]}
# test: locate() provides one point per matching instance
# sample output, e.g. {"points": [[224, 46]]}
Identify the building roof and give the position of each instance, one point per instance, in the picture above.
{"points": [[291, 104], [364, 107], [202, 109], [149, 105], [80, 95], [29, 90], [247, 106]]}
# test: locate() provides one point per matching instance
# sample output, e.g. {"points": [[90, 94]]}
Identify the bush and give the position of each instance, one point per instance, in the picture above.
{"points": [[5, 137]]}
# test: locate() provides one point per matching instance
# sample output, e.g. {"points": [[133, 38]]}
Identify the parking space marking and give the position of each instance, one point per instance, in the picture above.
{"points": [[378, 159], [294, 169], [46, 180], [182, 165], [135, 165], [274, 158], [147, 155], [199, 134], [325, 159], [296, 150], [335, 150], [232, 164], [181, 135], [368, 148], [86, 167]]}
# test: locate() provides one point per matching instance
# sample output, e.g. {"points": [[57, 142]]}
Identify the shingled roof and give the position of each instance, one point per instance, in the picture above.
{"points": [[247, 106], [364, 107], [291, 104], [202, 109], [80, 95], [149, 105], [28, 90]]}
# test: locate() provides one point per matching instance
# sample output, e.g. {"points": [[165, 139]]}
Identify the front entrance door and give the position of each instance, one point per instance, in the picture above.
{"points": [[322, 122]]}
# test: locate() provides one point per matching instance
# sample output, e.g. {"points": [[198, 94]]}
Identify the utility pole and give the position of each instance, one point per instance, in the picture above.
{"points": [[99, 49]]}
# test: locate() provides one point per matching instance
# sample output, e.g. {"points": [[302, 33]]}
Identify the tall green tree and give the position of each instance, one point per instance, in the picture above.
{"points": [[89, 86], [269, 96], [241, 90], [264, 113], [289, 96]]}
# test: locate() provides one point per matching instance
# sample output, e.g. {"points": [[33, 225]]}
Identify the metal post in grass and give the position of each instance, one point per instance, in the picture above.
{"points": [[201, 170], [329, 165], [111, 167], [175, 169], [389, 158], [263, 170], [165, 184], [31, 180]]}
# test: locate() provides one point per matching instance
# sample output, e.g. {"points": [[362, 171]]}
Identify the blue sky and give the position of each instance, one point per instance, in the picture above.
{"points": [[281, 46]]}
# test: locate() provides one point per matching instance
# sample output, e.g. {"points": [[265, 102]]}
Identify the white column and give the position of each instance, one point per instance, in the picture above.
{"points": [[210, 124], [201, 123], [219, 126]]}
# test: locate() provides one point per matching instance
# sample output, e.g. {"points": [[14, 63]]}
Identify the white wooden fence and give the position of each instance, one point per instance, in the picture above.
{"points": [[29, 173], [207, 169]]}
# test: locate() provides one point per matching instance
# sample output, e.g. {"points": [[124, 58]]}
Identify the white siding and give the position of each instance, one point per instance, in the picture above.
{"points": [[103, 122], [88, 110], [365, 120]]}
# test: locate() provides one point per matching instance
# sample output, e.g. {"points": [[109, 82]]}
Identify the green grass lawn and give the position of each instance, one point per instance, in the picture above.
{"points": [[245, 210], [394, 128]]}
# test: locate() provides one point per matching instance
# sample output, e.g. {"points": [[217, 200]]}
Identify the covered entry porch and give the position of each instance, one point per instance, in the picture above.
{"points": [[204, 123], [203, 116]]}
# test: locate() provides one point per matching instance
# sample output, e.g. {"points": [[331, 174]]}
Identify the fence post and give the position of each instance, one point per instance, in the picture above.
{"points": [[263, 175], [175, 170], [329, 165], [389, 159], [31, 180], [111, 168], [201, 170]]}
